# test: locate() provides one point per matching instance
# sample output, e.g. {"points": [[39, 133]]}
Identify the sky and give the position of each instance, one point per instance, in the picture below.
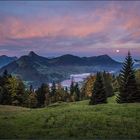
{"points": [[83, 28]]}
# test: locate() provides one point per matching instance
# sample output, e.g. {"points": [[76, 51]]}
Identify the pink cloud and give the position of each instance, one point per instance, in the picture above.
{"points": [[17, 28], [105, 21]]}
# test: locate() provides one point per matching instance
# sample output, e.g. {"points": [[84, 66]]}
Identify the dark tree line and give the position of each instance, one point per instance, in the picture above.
{"points": [[13, 92]]}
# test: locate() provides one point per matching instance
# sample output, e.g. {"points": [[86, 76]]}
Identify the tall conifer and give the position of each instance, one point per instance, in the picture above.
{"points": [[127, 82], [99, 93]]}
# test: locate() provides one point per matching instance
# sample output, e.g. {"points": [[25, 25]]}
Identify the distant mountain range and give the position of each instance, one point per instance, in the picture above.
{"points": [[137, 63], [35, 69], [4, 60], [137, 60]]}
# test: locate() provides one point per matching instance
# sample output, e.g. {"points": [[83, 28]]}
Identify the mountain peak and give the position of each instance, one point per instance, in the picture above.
{"points": [[68, 55], [104, 55], [31, 53], [3, 56]]}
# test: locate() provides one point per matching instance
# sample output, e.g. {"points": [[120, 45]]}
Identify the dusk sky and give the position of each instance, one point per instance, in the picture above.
{"points": [[84, 28]]}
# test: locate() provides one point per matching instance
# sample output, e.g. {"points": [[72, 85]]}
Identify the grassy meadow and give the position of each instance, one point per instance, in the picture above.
{"points": [[76, 120]]}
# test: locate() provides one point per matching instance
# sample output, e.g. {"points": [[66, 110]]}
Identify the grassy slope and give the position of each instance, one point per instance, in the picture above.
{"points": [[72, 120]]}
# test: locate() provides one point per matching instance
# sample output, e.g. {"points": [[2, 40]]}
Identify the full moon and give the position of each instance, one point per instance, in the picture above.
{"points": [[117, 51]]}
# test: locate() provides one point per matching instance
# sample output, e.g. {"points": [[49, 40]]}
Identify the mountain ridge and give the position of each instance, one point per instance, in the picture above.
{"points": [[38, 69], [4, 60]]}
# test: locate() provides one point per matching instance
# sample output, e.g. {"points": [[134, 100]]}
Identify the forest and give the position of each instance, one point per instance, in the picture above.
{"points": [[97, 88]]}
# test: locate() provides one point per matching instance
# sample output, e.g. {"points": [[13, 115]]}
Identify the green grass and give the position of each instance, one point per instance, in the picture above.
{"points": [[72, 121]]}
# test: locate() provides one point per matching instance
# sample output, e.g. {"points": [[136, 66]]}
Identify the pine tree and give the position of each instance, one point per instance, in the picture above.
{"points": [[83, 92], [138, 78], [108, 84], [77, 92], [115, 83], [53, 89], [11, 86], [127, 82], [20, 92], [5, 73], [31, 88], [53, 92], [60, 92], [41, 94], [66, 94], [72, 88], [98, 93], [5, 89], [32, 100]]}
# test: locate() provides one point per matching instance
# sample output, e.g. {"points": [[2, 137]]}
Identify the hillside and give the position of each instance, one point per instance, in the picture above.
{"points": [[4, 60], [72, 121], [37, 69]]}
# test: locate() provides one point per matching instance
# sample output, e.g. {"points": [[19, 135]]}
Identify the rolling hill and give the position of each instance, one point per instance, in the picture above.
{"points": [[74, 121], [36, 69]]}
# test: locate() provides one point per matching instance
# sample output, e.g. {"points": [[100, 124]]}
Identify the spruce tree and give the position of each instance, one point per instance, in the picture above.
{"points": [[20, 92], [41, 94], [77, 92], [66, 94], [31, 88], [107, 83], [6, 95], [98, 94], [53, 93], [53, 89], [5, 73], [32, 100], [128, 90], [72, 88]]}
